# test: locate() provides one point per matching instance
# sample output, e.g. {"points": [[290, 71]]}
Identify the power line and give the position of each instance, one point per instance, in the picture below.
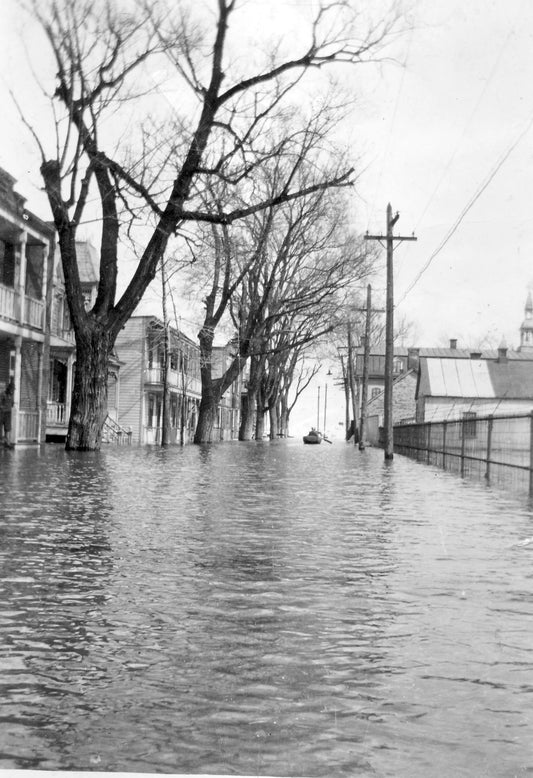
{"points": [[472, 114], [467, 208]]}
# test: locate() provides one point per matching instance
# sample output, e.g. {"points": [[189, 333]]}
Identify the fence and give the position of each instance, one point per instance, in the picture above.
{"points": [[497, 448]]}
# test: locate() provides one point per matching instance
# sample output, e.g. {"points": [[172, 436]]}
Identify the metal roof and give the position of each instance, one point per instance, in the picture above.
{"points": [[459, 378], [475, 378]]}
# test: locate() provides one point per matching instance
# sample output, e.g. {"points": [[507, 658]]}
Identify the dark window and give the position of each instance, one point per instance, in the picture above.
{"points": [[469, 424], [7, 263]]}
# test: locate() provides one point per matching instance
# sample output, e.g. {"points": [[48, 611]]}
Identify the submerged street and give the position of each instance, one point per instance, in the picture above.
{"points": [[270, 609]]}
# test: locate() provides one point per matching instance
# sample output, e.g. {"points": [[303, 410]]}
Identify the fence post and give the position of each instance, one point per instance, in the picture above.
{"points": [[462, 447], [444, 428], [489, 446], [531, 454]]}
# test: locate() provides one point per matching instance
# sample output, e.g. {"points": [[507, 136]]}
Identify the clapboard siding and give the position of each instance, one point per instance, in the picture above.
{"points": [[130, 347]]}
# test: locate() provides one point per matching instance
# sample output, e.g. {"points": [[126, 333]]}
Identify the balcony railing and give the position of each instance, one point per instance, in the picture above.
{"points": [[56, 414], [8, 303], [33, 310], [155, 375]]}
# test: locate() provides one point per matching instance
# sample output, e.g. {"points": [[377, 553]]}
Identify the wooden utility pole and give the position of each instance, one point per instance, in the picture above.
{"points": [[351, 380], [389, 239], [366, 357]]}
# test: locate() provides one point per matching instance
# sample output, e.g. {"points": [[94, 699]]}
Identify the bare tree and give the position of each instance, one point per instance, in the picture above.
{"points": [[206, 120]]}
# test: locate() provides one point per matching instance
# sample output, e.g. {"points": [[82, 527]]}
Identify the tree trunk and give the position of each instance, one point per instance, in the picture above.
{"points": [[207, 415], [249, 404], [211, 389], [89, 394], [274, 422], [259, 425]]}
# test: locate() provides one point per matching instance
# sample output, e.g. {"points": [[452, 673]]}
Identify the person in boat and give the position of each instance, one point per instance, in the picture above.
{"points": [[6, 404]]}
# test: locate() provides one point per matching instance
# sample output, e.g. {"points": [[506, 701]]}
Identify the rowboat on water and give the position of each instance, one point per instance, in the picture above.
{"points": [[313, 436]]}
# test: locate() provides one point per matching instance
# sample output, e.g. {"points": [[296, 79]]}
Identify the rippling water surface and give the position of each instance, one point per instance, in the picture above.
{"points": [[270, 609]]}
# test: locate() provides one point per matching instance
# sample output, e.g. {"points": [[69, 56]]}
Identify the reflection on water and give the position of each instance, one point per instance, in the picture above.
{"points": [[273, 609]]}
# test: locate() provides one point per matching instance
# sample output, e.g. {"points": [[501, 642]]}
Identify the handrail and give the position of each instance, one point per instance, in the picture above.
{"points": [[113, 432]]}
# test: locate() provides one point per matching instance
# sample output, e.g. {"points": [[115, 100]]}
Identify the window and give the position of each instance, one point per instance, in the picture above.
{"points": [[397, 365], [7, 263], [469, 424], [375, 391]]}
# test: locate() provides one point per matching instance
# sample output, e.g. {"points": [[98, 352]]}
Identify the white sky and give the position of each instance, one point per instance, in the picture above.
{"points": [[430, 135]]}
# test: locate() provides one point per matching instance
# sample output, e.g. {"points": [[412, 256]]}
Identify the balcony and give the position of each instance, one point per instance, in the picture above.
{"points": [[32, 313], [154, 376]]}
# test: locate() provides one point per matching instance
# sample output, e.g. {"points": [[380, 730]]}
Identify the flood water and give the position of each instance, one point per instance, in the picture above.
{"points": [[267, 609]]}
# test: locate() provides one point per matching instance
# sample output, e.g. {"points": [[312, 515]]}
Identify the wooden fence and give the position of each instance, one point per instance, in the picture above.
{"points": [[496, 448]]}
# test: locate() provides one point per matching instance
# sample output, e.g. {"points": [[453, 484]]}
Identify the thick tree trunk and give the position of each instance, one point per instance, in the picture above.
{"points": [[89, 394], [211, 390], [207, 415]]}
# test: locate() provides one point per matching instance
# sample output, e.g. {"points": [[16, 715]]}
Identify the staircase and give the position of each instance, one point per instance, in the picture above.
{"points": [[112, 432]]}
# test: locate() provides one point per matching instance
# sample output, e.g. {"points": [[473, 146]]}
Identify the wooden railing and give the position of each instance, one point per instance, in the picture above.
{"points": [[114, 433], [56, 414], [32, 313], [28, 429], [8, 303]]}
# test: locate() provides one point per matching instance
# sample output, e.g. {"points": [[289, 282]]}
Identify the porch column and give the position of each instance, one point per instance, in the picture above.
{"points": [[15, 419], [21, 281], [70, 381]]}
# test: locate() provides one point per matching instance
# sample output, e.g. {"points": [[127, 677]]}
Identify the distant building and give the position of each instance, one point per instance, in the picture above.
{"points": [[455, 388], [140, 348], [526, 329]]}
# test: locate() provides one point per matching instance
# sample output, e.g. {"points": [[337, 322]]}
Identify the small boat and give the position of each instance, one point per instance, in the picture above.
{"points": [[313, 436]]}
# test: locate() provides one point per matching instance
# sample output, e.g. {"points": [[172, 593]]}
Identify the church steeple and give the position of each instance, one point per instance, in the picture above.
{"points": [[526, 328]]}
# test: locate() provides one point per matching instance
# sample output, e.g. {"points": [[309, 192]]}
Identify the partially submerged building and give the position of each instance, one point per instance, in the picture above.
{"points": [[454, 388], [26, 262]]}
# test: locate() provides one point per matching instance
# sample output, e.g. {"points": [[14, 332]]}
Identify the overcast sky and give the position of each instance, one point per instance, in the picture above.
{"points": [[448, 129]]}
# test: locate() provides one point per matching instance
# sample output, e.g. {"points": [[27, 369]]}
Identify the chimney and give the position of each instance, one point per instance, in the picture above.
{"points": [[502, 352], [413, 355], [453, 343]]}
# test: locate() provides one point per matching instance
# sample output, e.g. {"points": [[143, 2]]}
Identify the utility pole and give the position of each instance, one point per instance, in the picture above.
{"points": [[389, 239], [351, 380], [366, 356]]}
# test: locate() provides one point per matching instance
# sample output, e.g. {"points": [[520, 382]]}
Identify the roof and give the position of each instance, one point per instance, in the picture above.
{"points": [[475, 378], [447, 353], [88, 262]]}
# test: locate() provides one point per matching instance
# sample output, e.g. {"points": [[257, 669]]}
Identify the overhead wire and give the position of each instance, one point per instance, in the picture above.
{"points": [[468, 206], [491, 175], [478, 102]]}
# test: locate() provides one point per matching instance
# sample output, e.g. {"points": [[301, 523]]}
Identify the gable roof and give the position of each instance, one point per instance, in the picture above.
{"points": [[475, 378], [88, 262]]}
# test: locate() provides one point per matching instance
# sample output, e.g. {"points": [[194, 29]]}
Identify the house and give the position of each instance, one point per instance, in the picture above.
{"points": [[141, 349], [404, 376], [457, 388], [26, 256], [376, 368]]}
